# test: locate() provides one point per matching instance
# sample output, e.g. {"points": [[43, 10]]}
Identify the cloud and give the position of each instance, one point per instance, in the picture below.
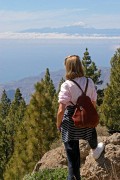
{"points": [[19, 20], [16, 21], [12, 35], [103, 21], [79, 23]]}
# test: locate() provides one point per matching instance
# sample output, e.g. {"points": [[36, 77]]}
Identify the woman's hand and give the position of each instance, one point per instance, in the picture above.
{"points": [[58, 124]]}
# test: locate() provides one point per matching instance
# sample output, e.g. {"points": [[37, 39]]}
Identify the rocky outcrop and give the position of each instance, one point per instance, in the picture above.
{"points": [[56, 158], [107, 167]]}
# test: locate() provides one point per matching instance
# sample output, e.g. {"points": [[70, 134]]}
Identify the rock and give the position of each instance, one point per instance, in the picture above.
{"points": [[107, 167], [84, 151], [115, 139], [56, 158]]}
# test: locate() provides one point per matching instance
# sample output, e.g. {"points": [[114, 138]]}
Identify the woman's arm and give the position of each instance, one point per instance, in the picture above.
{"points": [[94, 104], [60, 114]]}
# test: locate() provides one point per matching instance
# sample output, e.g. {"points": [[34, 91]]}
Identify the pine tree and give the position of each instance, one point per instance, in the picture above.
{"points": [[110, 109], [60, 83], [91, 70], [17, 109], [55, 101], [17, 164], [2, 149], [39, 127], [11, 123], [100, 97], [4, 110], [15, 117], [4, 105]]}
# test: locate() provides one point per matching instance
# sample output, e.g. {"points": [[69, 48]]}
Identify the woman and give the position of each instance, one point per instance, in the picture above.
{"points": [[69, 92]]}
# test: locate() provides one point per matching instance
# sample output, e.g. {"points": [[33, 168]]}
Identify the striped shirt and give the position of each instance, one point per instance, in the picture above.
{"points": [[69, 131], [70, 92]]}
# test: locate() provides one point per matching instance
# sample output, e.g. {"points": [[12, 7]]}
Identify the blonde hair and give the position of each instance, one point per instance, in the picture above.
{"points": [[73, 67]]}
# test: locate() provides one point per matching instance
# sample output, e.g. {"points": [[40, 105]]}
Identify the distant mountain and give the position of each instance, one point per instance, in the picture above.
{"points": [[26, 85], [76, 29]]}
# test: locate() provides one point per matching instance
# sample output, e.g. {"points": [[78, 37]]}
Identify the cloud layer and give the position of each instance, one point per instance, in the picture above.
{"points": [[11, 35]]}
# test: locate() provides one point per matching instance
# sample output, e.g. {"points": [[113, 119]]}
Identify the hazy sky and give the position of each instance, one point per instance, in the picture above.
{"points": [[27, 54], [16, 15]]}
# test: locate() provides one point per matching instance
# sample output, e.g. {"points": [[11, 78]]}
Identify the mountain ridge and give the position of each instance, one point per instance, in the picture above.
{"points": [[75, 29], [26, 85]]}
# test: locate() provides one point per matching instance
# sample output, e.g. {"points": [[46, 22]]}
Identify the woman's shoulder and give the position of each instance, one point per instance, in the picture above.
{"points": [[65, 84], [68, 84], [83, 80], [90, 80]]}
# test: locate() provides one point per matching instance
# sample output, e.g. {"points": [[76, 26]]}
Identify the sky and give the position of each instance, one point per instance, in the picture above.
{"points": [[25, 54], [16, 15]]}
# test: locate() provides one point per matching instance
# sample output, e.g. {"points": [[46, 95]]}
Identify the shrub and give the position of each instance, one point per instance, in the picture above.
{"points": [[49, 174], [102, 130]]}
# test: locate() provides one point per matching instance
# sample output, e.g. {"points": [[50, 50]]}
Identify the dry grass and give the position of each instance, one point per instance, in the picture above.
{"points": [[112, 174], [56, 143], [102, 130]]}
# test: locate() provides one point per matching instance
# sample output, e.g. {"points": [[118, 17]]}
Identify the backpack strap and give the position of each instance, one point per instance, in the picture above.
{"points": [[77, 85], [84, 92], [86, 86]]}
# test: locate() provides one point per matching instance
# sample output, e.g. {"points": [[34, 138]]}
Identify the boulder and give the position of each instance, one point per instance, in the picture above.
{"points": [[56, 158], [107, 167]]}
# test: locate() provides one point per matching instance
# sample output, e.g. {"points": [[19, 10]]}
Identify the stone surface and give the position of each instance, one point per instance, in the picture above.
{"points": [[52, 159], [107, 167], [56, 158]]}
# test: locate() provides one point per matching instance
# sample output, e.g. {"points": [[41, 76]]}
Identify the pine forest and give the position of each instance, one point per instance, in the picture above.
{"points": [[28, 130]]}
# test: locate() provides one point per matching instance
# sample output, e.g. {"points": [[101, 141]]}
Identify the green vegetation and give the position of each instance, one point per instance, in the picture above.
{"points": [[49, 174], [91, 70], [4, 137], [110, 109], [27, 132], [32, 139], [11, 115]]}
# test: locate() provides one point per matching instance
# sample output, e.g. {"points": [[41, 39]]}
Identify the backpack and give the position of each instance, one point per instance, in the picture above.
{"points": [[85, 114]]}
